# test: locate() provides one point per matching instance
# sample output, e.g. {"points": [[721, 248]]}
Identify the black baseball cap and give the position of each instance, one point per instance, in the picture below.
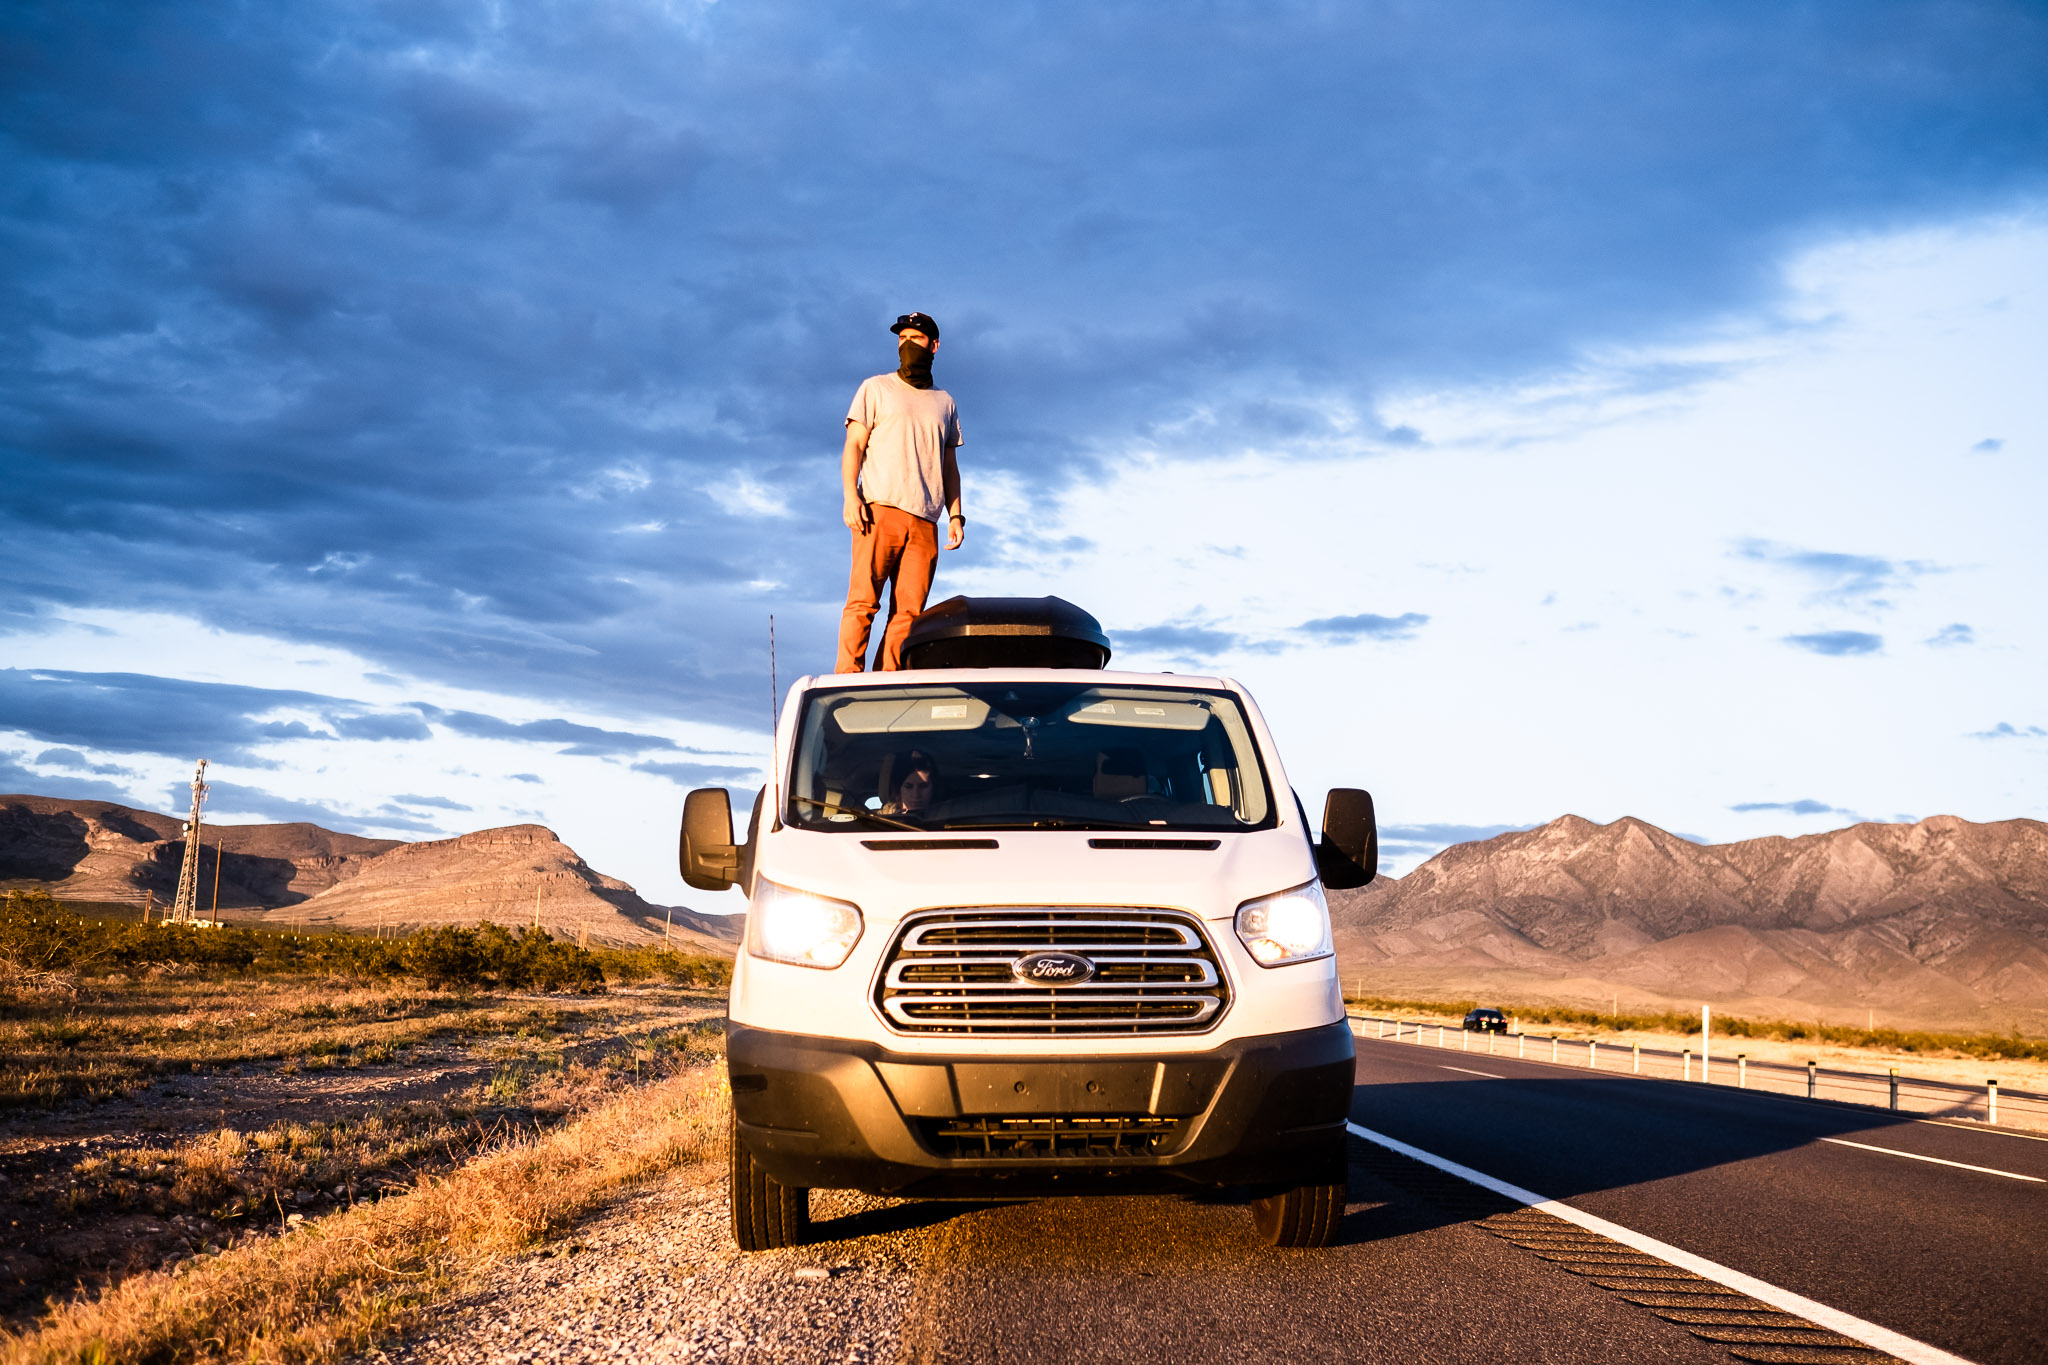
{"points": [[921, 321]]}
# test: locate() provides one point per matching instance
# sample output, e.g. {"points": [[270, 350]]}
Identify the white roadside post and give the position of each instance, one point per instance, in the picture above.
{"points": [[1592, 1054], [1812, 1079], [1706, 1044], [1464, 1040], [1521, 1045], [1636, 1050], [1688, 1063], [1553, 1047], [1742, 1071], [1895, 1088], [1991, 1101]]}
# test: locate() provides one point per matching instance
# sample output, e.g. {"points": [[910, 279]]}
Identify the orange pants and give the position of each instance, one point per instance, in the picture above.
{"points": [[900, 550]]}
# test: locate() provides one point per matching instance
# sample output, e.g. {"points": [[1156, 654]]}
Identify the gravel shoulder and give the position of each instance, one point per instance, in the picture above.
{"points": [[655, 1276]]}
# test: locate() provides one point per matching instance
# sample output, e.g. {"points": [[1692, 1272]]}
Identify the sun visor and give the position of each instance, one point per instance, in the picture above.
{"points": [[956, 711], [1006, 632]]}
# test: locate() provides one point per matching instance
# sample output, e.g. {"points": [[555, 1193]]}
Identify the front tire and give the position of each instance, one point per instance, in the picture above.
{"points": [[765, 1214], [1303, 1217]]}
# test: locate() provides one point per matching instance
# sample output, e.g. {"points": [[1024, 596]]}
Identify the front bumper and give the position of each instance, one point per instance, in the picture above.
{"points": [[828, 1113]]}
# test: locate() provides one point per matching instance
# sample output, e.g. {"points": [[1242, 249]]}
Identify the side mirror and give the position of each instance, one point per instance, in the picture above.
{"points": [[709, 859], [1349, 854]]}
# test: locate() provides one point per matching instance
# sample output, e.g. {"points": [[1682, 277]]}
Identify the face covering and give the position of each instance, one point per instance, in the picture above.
{"points": [[914, 364]]}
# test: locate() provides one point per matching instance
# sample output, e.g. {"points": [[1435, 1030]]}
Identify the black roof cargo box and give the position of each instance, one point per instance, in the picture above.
{"points": [[1005, 632]]}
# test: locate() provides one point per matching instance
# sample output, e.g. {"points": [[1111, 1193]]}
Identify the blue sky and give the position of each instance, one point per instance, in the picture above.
{"points": [[419, 408]]}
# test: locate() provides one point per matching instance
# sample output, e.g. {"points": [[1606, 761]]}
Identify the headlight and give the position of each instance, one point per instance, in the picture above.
{"points": [[784, 925], [1292, 926]]}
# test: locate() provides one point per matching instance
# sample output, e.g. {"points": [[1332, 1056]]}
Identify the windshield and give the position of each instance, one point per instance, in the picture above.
{"points": [[1026, 756]]}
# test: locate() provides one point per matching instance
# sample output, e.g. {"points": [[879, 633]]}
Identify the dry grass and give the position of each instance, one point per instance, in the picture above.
{"points": [[335, 1285], [1961, 1059], [116, 1034], [231, 1175]]}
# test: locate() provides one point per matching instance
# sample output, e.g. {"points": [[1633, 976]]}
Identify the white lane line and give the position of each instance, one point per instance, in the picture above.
{"points": [[1869, 1333], [1915, 1156], [1470, 1072]]}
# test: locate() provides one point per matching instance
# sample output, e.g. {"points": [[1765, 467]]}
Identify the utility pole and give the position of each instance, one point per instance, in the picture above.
{"points": [[774, 693], [186, 909]]}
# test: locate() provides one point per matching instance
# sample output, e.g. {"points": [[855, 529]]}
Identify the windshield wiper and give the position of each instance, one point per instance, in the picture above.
{"points": [[868, 815], [1042, 820]]}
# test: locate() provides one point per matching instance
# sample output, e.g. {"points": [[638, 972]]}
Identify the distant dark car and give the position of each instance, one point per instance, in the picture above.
{"points": [[1486, 1021]]}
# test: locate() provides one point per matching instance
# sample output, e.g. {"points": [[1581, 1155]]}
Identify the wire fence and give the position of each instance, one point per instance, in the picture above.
{"points": [[1725, 1064]]}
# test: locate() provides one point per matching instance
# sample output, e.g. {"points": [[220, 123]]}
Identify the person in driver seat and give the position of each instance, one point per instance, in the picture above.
{"points": [[1120, 775], [915, 777]]}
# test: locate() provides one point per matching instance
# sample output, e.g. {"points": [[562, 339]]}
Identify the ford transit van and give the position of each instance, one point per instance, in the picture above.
{"points": [[1022, 926]]}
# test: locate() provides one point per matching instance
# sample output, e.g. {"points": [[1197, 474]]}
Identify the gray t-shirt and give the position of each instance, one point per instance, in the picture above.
{"points": [[908, 432]]}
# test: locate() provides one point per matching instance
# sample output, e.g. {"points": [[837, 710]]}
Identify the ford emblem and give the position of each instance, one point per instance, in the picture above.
{"points": [[1052, 969]]}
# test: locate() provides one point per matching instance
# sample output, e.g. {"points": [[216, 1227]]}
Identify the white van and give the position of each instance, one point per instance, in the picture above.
{"points": [[1020, 926]]}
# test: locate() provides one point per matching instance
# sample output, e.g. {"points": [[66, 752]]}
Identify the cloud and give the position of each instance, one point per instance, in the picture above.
{"points": [[231, 799], [1801, 807], [2007, 730], [71, 758], [1837, 642], [19, 780], [434, 802], [698, 774], [146, 714], [527, 777], [1990, 445], [377, 326], [1181, 641], [388, 725], [1954, 633], [583, 740], [1365, 625], [1843, 579]]}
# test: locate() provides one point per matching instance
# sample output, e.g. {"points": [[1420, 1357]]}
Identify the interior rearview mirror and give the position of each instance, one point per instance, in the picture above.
{"points": [[709, 859], [1349, 854]]}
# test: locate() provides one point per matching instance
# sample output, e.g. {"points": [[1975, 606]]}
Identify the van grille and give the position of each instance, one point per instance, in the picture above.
{"points": [[949, 972], [1045, 1137]]}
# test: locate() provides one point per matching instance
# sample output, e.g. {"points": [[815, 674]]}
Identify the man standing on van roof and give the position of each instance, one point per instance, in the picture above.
{"points": [[898, 474]]}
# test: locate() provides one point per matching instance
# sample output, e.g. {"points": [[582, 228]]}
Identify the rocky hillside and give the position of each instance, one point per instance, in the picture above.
{"points": [[509, 876], [304, 874], [1940, 923], [98, 851]]}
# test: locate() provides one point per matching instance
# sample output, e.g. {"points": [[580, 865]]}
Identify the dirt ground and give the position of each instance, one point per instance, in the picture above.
{"points": [[187, 1162]]}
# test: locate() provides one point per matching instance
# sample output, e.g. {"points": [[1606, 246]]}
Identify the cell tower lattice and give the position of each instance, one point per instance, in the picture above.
{"points": [[186, 908]]}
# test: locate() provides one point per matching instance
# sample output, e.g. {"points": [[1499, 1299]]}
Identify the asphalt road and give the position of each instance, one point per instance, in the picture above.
{"points": [[1428, 1269], [1953, 1257]]}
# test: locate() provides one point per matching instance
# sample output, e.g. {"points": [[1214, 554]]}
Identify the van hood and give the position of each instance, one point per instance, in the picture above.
{"points": [[889, 875]]}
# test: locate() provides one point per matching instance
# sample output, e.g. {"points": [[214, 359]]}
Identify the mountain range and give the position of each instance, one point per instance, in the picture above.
{"points": [[1938, 924], [307, 876]]}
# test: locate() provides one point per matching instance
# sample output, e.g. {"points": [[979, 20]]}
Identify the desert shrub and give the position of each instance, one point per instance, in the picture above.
{"points": [[490, 955], [39, 936], [444, 957], [536, 960], [629, 965]]}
